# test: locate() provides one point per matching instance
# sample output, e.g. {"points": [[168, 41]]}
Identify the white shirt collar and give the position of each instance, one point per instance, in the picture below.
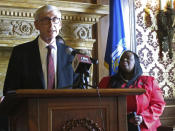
{"points": [[43, 44]]}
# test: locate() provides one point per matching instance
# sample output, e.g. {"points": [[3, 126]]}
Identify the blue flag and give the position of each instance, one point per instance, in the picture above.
{"points": [[116, 44]]}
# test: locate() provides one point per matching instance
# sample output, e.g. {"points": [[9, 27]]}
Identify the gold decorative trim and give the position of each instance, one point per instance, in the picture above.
{"points": [[8, 12], [29, 13], [80, 17], [81, 44], [13, 42], [63, 5], [14, 32]]}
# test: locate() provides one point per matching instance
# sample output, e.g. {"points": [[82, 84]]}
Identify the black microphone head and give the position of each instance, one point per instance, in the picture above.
{"points": [[70, 51], [81, 63], [60, 39]]}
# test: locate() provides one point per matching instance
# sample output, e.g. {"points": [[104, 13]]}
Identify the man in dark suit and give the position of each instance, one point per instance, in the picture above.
{"points": [[27, 67]]}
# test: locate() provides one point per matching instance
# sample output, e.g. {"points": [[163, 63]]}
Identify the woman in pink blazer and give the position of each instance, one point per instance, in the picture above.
{"points": [[148, 106]]}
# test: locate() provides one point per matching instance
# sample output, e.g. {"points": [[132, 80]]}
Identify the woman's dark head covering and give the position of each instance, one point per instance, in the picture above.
{"points": [[117, 79]]}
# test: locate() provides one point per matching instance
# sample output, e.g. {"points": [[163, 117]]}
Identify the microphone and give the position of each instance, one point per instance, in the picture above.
{"points": [[81, 63], [138, 127], [73, 52]]}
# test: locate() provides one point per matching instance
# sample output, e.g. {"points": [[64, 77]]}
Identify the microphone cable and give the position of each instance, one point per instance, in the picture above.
{"points": [[100, 104]]}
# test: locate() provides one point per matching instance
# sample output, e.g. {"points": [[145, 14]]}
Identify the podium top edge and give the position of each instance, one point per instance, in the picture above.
{"points": [[76, 92]]}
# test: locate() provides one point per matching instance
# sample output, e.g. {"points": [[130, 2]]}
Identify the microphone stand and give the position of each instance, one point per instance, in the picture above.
{"points": [[86, 75], [80, 83], [83, 80]]}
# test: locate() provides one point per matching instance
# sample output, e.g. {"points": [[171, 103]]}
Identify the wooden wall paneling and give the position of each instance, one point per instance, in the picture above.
{"points": [[168, 116]]}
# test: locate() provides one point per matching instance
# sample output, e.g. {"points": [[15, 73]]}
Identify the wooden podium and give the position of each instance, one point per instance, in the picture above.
{"points": [[67, 109]]}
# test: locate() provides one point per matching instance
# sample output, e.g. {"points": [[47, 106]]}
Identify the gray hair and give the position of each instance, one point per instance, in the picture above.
{"points": [[45, 9]]}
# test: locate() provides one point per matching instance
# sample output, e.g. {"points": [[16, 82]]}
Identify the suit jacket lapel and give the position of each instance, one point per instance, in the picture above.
{"points": [[37, 62], [58, 68]]}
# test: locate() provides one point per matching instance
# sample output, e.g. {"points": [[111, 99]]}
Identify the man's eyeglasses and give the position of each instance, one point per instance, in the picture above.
{"points": [[47, 20]]}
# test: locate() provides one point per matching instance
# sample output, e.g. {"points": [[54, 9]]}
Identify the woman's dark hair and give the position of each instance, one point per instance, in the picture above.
{"points": [[116, 80]]}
